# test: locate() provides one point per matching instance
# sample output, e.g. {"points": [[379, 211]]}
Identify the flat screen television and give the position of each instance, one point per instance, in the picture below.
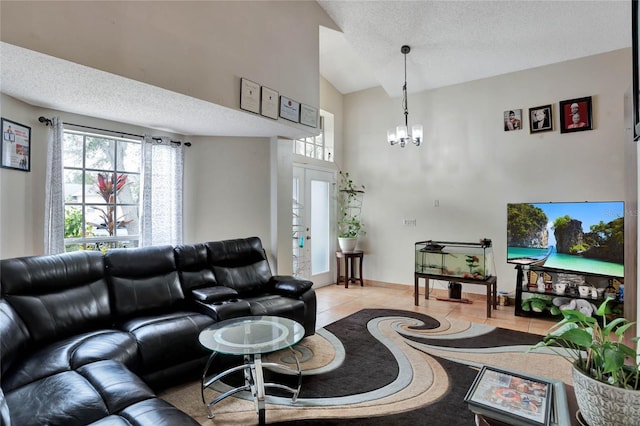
{"points": [[585, 237]]}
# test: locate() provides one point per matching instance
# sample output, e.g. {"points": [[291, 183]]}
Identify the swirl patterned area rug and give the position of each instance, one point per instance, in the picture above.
{"points": [[381, 367]]}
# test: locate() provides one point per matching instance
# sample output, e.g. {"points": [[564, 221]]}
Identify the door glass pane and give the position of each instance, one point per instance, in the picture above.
{"points": [[320, 227]]}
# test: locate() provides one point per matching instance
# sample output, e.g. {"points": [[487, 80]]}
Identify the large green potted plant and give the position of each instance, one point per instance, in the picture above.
{"points": [[606, 373], [350, 225]]}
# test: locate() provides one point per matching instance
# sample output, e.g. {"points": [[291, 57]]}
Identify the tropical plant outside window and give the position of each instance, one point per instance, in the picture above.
{"points": [[102, 191]]}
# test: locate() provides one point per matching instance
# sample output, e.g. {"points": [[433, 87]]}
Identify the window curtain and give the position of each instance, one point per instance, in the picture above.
{"points": [[162, 176], [54, 191]]}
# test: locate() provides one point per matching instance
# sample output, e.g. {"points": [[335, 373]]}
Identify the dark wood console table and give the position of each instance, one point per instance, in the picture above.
{"points": [[490, 283]]}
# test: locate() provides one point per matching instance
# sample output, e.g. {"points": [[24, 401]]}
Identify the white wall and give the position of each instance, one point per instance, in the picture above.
{"points": [[227, 189], [473, 167], [197, 48]]}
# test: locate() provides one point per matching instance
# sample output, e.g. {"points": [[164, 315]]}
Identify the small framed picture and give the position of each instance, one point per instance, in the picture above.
{"points": [[289, 109], [308, 115], [249, 96], [576, 115], [16, 146], [512, 120], [523, 399], [540, 119], [269, 103]]}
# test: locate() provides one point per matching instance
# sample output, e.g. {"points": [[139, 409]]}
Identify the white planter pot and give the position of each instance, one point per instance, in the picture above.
{"points": [[347, 244], [605, 405]]}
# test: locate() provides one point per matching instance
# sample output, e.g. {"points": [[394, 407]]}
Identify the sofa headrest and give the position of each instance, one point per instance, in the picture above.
{"points": [[14, 336], [240, 264], [143, 279], [57, 295], [193, 267], [238, 252]]}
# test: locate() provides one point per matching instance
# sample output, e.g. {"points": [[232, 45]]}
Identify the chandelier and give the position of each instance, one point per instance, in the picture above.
{"points": [[400, 135]]}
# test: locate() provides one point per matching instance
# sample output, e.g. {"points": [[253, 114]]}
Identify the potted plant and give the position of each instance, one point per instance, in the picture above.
{"points": [[606, 372], [350, 225]]}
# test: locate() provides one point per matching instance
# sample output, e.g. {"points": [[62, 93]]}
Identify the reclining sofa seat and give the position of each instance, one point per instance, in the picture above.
{"points": [[242, 265], [149, 304], [63, 363]]}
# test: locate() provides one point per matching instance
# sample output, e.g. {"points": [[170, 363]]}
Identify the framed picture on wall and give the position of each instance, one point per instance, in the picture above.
{"points": [[576, 115], [512, 120], [16, 146], [540, 119]]}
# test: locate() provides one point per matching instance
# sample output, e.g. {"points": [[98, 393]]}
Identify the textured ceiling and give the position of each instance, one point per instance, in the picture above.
{"points": [[50, 82], [458, 41], [451, 41]]}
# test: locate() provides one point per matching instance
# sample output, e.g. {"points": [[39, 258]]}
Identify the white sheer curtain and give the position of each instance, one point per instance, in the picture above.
{"points": [[54, 191], [162, 165]]}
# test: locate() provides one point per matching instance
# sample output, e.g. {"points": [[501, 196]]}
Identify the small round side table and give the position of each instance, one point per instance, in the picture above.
{"points": [[349, 258]]}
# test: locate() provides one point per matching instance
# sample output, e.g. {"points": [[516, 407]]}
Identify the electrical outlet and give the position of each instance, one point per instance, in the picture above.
{"points": [[436, 203]]}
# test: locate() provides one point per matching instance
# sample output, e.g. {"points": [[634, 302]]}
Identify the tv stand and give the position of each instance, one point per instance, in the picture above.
{"points": [[523, 292]]}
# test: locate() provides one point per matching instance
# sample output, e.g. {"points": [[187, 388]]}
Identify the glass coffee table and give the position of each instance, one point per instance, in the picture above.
{"points": [[251, 337]]}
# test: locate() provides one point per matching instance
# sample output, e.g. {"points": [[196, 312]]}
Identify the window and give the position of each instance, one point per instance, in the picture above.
{"points": [[101, 191], [319, 147]]}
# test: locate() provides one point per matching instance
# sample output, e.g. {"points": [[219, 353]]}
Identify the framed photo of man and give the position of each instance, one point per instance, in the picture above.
{"points": [[512, 120], [16, 146], [576, 115], [540, 119]]}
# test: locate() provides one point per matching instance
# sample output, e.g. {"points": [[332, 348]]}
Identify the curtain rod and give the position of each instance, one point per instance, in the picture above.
{"points": [[47, 121]]}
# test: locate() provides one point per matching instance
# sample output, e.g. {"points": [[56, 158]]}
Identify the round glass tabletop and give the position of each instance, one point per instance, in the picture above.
{"points": [[251, 335]]}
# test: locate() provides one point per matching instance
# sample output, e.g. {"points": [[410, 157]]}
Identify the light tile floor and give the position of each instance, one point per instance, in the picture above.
{"points": [[336, 302]]}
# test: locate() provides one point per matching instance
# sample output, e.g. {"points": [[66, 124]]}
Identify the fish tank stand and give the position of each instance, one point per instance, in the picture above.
{"points": [[458, 263]]}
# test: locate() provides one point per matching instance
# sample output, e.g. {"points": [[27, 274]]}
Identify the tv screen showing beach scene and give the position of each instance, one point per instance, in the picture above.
{"points": [[573, 236]]}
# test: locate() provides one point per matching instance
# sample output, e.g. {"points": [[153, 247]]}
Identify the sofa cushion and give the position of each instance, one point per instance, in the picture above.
{"points": [[143, 280], [290, 286], [58, 295], [14, 337], [214, 294], [193, 267], [5, 416], [72, 353], [65, 398], [168, 339], [118, 386], [240, 264], [156, 412]]}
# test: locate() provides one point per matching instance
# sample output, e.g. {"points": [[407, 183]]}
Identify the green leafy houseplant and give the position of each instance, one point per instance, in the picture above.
{"points": [[596, 350], [350, 224]]}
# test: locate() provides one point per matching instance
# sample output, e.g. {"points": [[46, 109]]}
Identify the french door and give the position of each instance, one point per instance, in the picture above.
{"points": [[314, 224]]}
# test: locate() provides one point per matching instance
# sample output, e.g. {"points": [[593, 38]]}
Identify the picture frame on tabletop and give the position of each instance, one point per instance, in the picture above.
{"points": [[15, 152], [512, 120], [511, 396], [541, 119], [576, 115]]}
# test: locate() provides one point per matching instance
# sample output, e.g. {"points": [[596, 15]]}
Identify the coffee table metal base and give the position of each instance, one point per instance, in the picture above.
{"points": [[253, 382]]}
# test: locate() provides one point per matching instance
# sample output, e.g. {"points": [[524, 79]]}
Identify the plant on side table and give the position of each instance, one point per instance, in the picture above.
{"points": [[606, 372], [350, 225]]}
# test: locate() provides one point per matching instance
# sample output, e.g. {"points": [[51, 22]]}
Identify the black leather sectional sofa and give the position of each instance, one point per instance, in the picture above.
{"points": [[85, 338]]}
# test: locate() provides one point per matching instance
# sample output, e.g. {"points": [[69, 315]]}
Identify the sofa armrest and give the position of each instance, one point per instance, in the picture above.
{"points": [[286, 285], [214, 294]]}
